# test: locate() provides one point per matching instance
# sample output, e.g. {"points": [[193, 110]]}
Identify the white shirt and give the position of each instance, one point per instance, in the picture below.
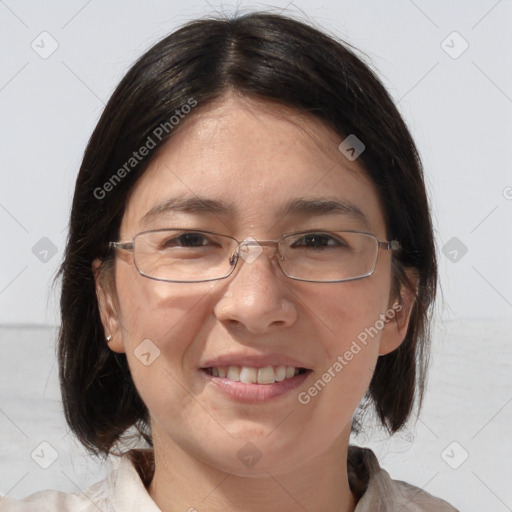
{"points": [[124, 490]]}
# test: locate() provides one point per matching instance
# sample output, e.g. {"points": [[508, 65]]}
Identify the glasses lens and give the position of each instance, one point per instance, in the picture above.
{"points": [[328, 256], [183, 255]]}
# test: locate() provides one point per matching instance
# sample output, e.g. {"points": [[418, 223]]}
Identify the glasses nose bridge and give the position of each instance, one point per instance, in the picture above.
{"points": [[250, 241], [250, 249]]}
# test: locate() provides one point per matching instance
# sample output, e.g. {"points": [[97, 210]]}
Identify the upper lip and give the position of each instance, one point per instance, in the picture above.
{"points": [[253, 361]]}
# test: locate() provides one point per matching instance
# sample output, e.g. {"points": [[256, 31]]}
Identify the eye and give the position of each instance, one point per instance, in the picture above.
{"points": [[318, 241], [191, 239]]}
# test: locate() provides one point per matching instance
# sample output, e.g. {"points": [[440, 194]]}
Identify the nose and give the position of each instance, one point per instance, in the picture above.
{"points": [[256, 296]]}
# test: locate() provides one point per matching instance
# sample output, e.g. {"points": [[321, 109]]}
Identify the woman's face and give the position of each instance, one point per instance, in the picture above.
{"points": [[254, 162]]}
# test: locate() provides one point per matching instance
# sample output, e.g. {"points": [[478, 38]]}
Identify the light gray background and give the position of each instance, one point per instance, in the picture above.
{"points": [[458, 108]]}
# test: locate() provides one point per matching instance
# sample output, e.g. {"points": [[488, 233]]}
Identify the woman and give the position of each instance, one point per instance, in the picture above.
{"points": [[250, 258]]}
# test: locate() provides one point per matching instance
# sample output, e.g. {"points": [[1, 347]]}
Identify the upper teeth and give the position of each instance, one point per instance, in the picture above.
{"points": [[246, 374]]}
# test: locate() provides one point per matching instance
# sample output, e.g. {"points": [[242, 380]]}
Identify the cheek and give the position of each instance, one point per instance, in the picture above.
{"points": [[159, 322], [158, 310], [350, 358], [351, 312], [349, 326]]}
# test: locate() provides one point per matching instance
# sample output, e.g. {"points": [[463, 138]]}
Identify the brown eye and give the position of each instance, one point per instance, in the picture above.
{"points": [[186, 240], [317, 241]]}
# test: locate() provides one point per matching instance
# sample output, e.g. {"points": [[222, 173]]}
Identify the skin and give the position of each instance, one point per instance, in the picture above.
{"points": [[255, 156]]}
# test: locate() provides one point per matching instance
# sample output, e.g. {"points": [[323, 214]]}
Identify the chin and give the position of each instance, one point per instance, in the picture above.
{"points": [[255, 456]]}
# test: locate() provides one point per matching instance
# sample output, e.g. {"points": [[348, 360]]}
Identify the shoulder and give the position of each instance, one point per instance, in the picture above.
{"points": [[122, 490], [387, 495], [93, 499]]}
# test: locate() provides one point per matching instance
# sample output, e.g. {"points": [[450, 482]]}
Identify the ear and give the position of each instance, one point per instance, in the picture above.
{"points": [[398, 315], [108, 310]]}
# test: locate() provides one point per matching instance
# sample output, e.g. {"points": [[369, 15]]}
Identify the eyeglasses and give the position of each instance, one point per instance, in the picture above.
{"points": [[192, 256]]}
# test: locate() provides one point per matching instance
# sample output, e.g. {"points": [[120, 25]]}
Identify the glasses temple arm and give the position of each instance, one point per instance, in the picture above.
{"points": [[392, 245], [121, 245]]}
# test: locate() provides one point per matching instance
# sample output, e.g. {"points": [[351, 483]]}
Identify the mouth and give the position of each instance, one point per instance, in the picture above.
{"points": [[252, 375], [255, 384]]}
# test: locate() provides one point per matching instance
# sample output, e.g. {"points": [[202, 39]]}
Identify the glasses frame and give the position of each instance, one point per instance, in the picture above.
{"points": [[388, 245]]}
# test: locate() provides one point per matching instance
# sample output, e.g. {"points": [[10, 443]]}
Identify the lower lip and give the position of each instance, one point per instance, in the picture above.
{"points": [[249, 392]]}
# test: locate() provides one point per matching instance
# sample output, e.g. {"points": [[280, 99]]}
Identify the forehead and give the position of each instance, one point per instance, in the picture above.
{"points": [[256, 160]]}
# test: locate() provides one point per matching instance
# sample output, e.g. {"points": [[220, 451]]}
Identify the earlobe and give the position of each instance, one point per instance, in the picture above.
{"points": [[108, 313], [399, 316]]}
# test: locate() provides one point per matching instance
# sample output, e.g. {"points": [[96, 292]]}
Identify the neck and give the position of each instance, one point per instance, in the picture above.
{"points": [[183, 482]]}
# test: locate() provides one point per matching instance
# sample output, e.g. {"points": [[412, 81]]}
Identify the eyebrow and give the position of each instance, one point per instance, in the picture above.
{"points": [[324, 206], [194, 204], [300, 206]]}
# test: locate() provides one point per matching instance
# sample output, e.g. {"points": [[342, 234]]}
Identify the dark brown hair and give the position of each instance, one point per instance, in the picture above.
{"points": [[259, 56]]}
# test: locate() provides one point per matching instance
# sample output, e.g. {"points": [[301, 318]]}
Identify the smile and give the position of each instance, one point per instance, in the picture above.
{"points": [[252, 384], [251, 375]]}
